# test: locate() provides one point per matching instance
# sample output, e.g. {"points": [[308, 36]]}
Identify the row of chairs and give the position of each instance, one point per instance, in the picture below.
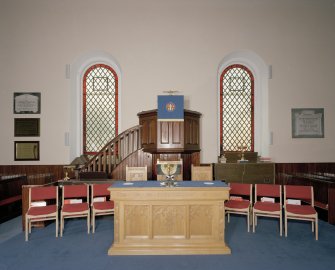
{"points": [[76, 202], [71, 193], [240, 202], [268, 203]]}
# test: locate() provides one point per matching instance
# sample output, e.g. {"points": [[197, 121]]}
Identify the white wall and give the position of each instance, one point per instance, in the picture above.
{"points": [[163, 45]]}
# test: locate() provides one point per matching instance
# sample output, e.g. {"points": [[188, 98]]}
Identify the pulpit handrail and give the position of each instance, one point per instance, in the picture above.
{"points": [[113, 152]]}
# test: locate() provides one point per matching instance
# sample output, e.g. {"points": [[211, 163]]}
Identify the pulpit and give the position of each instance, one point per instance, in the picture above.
{"points": [[170, 136]]}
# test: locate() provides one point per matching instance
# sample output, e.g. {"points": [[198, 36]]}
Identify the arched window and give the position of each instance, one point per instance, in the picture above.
{"points": [[100, 107], [236, 108]]}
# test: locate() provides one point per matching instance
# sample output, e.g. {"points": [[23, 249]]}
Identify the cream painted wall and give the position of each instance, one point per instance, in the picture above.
{"points": [[162, 45]]}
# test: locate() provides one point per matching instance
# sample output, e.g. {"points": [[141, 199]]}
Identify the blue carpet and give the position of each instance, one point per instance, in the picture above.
{"points": [[264, 249]]}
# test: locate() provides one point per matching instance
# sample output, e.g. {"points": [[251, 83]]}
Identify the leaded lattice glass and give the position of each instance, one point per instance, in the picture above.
{"points": [[100, 98], [237, 109]]}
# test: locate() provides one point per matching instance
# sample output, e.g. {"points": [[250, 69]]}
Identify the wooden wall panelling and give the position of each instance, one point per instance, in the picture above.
{"points": [[262, 173], [195, 158], [170, 136], [312, 168], [192, 131], [233, 170], [33, 175], [10, 196], [331, 204], [308, 174], [39, 172], [149, 130], [136, 159]]}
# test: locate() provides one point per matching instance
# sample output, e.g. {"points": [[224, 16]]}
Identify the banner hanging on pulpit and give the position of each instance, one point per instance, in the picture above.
{"points": [[170, 108]]}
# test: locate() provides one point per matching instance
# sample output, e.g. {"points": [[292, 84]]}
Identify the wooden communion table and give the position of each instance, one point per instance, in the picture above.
{"points": [[153, 220]]}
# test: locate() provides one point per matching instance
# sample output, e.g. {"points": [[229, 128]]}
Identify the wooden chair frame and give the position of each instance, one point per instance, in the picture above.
{"points": [[242, 207], [74, 192], [305, 194], [100, 208], [268, 209], [41, 213]]}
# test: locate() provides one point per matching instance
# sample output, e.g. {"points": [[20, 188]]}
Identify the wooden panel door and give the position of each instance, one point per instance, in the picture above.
{"points": [[170, 136], [149, 132]]}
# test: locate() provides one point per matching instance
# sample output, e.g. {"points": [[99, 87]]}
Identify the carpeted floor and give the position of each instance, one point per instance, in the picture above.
{"points": [[264, 249]]}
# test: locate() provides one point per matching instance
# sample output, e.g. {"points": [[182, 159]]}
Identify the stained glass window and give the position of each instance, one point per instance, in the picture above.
{"points": [[100, 107], [236, 109]]}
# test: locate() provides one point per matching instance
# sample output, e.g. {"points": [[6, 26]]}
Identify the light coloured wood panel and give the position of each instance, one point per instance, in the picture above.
{"points": [[136, 218], [161, 221], [202, 173], [202, 220], [169, 221]]}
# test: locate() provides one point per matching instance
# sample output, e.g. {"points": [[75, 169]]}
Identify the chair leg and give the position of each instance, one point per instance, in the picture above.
{"points": [[228, 217], [254, 221], [316, 229], [280, 225], [88, 223], [27, 229], [93, 222], [56, 226], [248, 222], [285, 226], [61, 225], [312, 226]]}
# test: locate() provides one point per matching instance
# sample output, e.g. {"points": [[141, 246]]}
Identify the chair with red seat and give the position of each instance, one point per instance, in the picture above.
{"points": [[75, 204], [303, 211], [43, 205], [268, 203], [101, 204], [240, 201]]}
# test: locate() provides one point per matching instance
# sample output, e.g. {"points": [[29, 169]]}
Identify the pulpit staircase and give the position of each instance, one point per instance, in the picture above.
{"points": [[148, 142], [122, 150]]}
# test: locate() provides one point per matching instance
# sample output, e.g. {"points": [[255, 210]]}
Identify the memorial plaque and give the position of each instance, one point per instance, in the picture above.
{"points": [[26, 150], [26, 127], [27, 103], [308, 123]]}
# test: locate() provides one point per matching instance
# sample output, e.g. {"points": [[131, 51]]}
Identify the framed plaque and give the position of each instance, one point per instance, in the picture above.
{"points": [[27, 103], [308, 123], [26, 150], [26, 127]]}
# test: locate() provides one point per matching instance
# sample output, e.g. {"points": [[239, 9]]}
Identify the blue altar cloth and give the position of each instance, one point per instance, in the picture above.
{"points": [[154, 184]]}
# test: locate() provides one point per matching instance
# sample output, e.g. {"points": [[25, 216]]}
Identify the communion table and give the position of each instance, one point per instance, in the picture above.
{"points": [[150, 219]]}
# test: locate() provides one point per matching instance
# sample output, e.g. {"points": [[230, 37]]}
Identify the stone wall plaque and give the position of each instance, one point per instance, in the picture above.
{"points": [[308, 123], [27, 103]]}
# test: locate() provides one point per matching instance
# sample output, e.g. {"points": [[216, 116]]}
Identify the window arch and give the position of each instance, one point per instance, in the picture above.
{"points": [[100, 107], [261, 74], [236, 108]]}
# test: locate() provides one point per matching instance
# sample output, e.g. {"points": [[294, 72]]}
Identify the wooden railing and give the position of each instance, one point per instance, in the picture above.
{"points": [[115, 151]]}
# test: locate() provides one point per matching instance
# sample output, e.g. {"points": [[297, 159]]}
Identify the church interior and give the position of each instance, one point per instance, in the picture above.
{"points": [[81, 83]]}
